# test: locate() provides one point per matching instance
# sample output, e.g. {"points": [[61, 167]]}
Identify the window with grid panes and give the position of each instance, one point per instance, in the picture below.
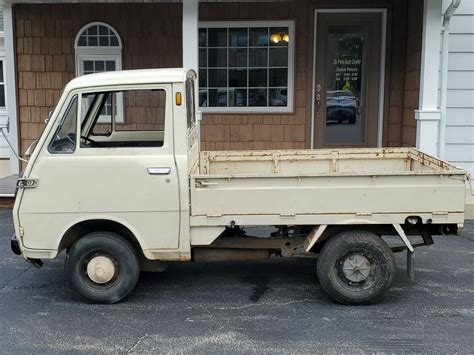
{"points": [[2, 87], [99, 49], [246, 67]]}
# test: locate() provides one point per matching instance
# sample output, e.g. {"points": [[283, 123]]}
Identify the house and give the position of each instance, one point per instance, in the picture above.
{"points": [[272, 74]]}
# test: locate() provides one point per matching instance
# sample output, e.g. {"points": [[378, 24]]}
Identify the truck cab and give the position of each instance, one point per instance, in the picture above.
{"points": [[118, 182], [116, 152]]}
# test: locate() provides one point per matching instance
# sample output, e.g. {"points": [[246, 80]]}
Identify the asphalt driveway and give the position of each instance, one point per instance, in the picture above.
{"points": [[252, 307]]}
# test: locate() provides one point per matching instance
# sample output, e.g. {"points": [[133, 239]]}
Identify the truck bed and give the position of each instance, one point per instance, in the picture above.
{"points": [[331, 186]]}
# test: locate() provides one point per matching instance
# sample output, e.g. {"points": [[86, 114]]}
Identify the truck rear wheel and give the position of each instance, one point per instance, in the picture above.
{"points": [[102, 267], [356, 267]]}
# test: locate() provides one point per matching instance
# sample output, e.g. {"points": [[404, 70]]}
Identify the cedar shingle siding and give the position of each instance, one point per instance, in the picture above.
{"points": [[151, 36], [263, 131]]}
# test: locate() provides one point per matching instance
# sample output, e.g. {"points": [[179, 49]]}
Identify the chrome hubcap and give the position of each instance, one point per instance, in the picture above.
{"points": [[356, 268], [100, 269]]}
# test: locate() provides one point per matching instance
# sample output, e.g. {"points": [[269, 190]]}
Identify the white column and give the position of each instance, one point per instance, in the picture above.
{"points": [[190, 34], [428, 114], [10, 85]]}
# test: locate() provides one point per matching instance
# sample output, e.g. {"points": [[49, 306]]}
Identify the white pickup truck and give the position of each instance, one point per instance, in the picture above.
{"points": [[118, 182]]}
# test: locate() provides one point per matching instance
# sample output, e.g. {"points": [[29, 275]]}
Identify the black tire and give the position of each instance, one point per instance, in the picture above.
{"points": [[340, 251], [118, 250]]}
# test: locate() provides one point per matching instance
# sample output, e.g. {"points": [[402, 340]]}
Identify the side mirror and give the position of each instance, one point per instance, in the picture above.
{"points": [[31, 148]]}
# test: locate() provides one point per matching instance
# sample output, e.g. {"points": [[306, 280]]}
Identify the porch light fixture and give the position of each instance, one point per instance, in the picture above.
{"points": [[275, 38], [278, 37]]}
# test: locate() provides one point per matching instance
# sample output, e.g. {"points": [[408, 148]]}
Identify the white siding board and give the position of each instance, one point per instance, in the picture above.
{"points": [[460, 101], [461, 42], [460, 153], [464, 165], [4, 151], [461, 61], [466, 8], [460, 116], [461, 98], [460, 134], [459, 79], [462, 24]]}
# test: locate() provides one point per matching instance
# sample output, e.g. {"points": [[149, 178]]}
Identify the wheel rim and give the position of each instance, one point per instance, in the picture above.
{"points": [[101, 269], [356, 268]]}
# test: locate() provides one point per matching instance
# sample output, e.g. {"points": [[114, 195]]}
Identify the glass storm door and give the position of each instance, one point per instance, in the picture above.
{"points": [[347, 79]]}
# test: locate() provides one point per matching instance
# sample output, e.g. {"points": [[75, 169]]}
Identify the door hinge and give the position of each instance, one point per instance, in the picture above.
{"points": [[25, 183], [21, 231]]}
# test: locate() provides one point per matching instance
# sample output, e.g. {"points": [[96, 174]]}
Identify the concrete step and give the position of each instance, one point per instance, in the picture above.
{"points": [[8, 186], [6, 202]]}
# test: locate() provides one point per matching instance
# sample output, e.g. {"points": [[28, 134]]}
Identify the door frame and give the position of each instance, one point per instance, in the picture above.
{"points": [[382, 64]]}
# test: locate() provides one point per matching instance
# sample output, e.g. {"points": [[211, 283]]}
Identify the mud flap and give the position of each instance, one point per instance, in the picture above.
{"points": [[411, 264], [410, 251]]}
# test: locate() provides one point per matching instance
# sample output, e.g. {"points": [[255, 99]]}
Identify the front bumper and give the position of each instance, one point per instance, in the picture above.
{"points": [[15, 245]]}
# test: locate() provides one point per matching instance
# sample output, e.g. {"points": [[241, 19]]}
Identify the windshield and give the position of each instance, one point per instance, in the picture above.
{"points": [[64, 137]]}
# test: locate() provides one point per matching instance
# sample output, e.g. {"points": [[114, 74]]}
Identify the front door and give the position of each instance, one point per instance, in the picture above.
{"points": [[347, 79]]}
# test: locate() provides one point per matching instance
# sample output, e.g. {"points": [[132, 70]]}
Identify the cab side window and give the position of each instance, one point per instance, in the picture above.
{"points": [[132, 118], [64, 139]]}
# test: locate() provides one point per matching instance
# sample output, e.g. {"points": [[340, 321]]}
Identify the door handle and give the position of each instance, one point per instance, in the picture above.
{"points": [[159, 171], [318, 97]]}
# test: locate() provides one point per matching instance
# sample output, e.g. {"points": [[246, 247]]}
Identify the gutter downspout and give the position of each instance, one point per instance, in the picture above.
{"points": [[444, 75]]}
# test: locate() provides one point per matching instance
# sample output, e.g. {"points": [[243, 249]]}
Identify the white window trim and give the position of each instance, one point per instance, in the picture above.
{"points": [[90, 24], [291, 66], [100, 53], [97, 53], [80, 58], [10, 84], [4, 109]]}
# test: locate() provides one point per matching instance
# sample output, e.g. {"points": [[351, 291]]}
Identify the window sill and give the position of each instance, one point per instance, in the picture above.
{"points": [[246, 111]]}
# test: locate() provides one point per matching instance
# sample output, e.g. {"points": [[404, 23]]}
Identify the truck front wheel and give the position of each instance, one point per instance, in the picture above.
{"points": [[102, 267], [356, 267]]}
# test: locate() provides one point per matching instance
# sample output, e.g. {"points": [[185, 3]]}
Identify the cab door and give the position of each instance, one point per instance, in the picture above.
{"points": [[110, 158]]}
